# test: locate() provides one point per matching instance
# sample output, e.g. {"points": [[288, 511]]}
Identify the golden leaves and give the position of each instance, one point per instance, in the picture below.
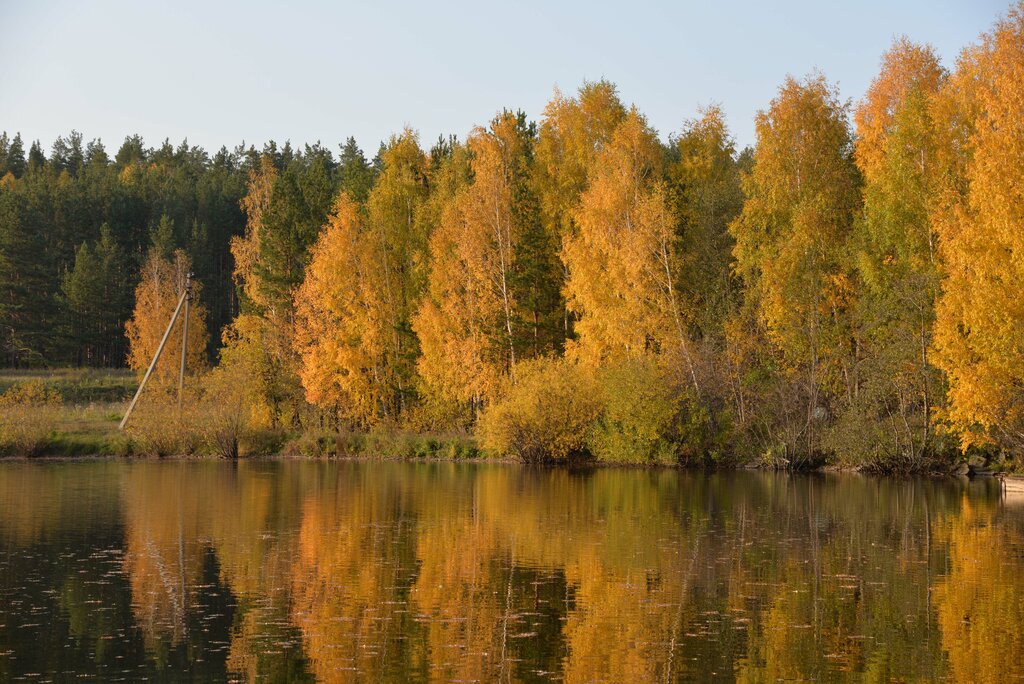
{"points": [[467, 322], [340, 320], [155, 300], [791, 236], [622, 257], [981, 312]]}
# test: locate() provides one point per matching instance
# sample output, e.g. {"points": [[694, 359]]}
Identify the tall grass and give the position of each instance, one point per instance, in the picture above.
{"points": [[28, 415]]}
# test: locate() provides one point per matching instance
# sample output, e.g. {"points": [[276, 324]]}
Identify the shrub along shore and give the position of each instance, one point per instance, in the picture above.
{"points": [[547, 419]]}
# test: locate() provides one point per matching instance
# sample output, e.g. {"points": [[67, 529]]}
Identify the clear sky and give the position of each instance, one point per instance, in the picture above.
{"points": [[223, 72]]}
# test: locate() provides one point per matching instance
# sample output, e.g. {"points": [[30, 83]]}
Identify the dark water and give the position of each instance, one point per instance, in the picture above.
{"points": [[279, 571]]}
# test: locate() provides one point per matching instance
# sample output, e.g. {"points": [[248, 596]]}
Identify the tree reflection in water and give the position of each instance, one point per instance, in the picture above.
{"points": [[284, 571]]}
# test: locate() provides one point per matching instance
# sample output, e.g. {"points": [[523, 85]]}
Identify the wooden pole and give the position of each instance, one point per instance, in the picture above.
{"points": [[184, 340], [152, 365]]}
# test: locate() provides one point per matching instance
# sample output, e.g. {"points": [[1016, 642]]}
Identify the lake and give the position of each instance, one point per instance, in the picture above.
{"points": [[381, 571]]}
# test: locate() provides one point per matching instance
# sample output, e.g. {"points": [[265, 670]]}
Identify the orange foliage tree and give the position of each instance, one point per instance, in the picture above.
{"points": [[471, 323], [981, 311], [163, 280], [342, 327], [622, 260]]}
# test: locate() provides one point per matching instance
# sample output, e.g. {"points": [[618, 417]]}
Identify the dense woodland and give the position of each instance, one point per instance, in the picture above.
{"points": [[851, 288]]}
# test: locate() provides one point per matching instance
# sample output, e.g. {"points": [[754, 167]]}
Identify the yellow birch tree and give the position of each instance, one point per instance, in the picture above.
{"points": [[470, 324], [260, 338], [623, 259], [342, 329], [896, 257], [400, 246], [980, 313], [157, 295], [792, 240]]}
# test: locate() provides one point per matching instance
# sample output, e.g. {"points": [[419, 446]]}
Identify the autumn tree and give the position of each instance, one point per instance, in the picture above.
{"points": [[342, 331], [285, 210], [246, 249], [897, 261], [156, 297], [623, 260], [980, 313], [489, 300], [571, 133], [792, 243], [259, 337], [705, 182], [400, 247]]}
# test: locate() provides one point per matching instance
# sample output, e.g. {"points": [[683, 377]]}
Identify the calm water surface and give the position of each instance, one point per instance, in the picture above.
{"points": [[288, 571]]}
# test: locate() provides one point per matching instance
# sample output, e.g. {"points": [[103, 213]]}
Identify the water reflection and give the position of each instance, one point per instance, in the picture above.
{"points": [[278, 571]]}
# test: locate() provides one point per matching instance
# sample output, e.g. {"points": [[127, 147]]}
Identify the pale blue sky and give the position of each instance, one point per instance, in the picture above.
{"points": [[219, 72]]}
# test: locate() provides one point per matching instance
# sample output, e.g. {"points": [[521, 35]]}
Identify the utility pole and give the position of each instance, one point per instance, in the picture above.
{"points": [[182, 301], [184, 340]]}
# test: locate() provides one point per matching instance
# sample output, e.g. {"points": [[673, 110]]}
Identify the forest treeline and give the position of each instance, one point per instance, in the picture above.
{"points": [[850, 288]]}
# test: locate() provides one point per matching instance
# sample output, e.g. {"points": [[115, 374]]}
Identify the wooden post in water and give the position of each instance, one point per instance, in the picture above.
{"points": [[156, 357]]}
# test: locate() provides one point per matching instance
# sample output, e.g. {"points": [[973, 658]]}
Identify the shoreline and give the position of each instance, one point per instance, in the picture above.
{"points": [[83, 424], [1014, 480]]}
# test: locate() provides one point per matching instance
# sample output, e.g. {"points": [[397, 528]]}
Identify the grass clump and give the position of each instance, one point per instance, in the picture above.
{"points": [[28, 413], [158, 427], [405, 445], [215, 418]]}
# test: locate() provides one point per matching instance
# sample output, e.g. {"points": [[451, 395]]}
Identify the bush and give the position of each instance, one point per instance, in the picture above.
{"points": [[643, 419], [651, 414], [874, 437], [309, 445], [28, 415], [458, 447], [545, 414], [350, 443], [226, 419], [216, 418], [263, 442], [157, 427]]}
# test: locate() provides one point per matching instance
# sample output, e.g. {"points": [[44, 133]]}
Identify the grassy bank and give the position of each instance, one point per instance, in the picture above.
{"points": [[75, 412], [66, 412]]}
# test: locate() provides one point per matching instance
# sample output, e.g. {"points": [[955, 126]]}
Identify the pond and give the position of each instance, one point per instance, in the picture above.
{"points": [[383, 571]]}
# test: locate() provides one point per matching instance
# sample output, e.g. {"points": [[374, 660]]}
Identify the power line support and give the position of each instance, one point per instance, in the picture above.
{"points": [[184, 341], [159, 350]]}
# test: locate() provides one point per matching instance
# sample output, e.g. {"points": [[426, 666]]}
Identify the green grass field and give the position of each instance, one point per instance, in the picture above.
{"points": [[91, 404], [76, 412]]}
